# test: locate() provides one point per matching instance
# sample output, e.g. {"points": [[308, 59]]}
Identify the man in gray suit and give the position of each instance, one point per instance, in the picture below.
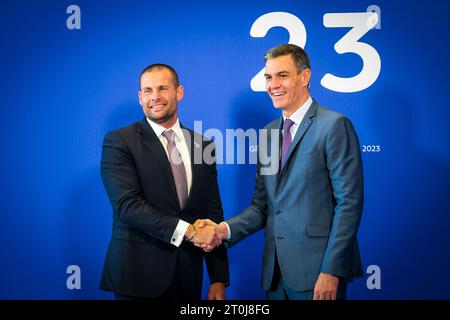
{"points": [[311, 206]]}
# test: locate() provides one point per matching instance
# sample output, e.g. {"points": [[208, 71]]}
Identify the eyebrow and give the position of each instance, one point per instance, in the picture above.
{"points": [[160, 86], [277, 74]]}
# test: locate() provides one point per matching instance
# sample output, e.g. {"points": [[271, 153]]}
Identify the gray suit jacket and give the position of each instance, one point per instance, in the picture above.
{"points": [[311, 210]]}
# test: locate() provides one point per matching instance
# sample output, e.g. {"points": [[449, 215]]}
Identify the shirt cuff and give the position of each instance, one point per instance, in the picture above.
{"points": [[229, 231], [178, 234]]}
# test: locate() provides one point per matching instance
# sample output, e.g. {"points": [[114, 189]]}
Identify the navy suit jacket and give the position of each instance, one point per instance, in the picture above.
{"points": [[311, 210], [136, 173]]}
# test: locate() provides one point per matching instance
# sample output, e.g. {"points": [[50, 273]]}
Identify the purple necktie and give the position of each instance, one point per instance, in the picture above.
{"points": [[178, 171], [286, 141]]}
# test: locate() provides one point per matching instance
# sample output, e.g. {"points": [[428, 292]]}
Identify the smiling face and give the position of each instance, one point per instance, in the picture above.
{"points": [[159, 96], [285, 84]]}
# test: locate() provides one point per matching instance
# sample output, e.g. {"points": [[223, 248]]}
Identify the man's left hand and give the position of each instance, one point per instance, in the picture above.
{"points": [[326, 287], [216, 291]]}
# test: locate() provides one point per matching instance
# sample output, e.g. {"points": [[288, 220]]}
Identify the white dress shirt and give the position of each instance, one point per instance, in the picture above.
{"points": [[180, 143]]}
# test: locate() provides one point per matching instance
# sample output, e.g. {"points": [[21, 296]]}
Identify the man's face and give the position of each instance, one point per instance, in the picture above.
{"points": [[287, 88], [159, 97]]}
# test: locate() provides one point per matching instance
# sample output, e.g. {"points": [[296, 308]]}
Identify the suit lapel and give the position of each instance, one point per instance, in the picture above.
{"points": [[152, 142], [193, 145], [303, 127]]}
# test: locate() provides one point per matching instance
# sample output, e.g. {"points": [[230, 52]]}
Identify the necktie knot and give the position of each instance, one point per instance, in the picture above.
{"points": [[287, 124], [168, 134]]}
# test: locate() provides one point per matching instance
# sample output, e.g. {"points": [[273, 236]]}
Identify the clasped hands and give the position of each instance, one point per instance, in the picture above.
{"points": [[208, 234]]}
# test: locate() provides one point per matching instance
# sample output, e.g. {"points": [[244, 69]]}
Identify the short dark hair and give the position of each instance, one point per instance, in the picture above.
{"points": [[157, 66], [299, 55]]}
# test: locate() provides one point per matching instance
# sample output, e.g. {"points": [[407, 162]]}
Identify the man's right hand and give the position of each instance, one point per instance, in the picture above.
{"points": [[220, 233], [200, 234]]}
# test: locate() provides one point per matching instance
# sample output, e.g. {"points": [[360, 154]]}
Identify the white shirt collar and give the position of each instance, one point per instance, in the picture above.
{"points": [[299, 114], [159, 129]]}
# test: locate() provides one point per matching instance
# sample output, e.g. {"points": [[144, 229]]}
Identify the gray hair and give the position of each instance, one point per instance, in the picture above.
{"points": [[299, 55]]}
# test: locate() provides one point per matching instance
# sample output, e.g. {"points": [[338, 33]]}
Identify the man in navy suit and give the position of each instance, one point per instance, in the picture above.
{"points": [[311, 206], [157, 193]]}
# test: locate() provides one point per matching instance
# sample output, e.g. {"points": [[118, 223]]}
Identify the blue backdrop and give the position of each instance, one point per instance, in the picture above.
{"points": [[68, 78]]}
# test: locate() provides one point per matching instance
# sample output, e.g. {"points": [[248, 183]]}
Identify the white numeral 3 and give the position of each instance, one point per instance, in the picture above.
{"points": [[361, 22]]}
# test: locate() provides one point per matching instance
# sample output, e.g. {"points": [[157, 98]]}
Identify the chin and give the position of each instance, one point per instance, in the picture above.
{"points": [[277, 106], [159, 119]]}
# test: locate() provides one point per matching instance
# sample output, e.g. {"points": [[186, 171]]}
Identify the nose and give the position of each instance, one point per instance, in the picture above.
{"points": [[155, 96], [274, 83]]}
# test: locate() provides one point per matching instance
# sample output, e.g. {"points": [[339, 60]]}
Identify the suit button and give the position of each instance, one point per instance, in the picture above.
{"points": [[277, 211]]}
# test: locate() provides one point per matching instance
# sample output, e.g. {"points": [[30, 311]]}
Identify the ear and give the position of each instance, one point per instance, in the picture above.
{"points": [[306, 77], [180, 92], [140, 97]]}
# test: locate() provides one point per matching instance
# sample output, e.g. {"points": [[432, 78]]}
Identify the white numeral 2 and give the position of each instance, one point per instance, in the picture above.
{"points": [[259, 29]]}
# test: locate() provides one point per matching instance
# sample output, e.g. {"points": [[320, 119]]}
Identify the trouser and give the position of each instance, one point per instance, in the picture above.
{"points": [[281, 291]]}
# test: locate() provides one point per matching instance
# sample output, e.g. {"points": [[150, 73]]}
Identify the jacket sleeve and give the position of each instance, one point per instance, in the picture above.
{"points": [[345, 171], [122, 185], [254, 217]]}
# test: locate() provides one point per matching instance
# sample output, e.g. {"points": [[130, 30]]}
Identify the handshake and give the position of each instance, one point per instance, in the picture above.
{"points": [[206, 234]]}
